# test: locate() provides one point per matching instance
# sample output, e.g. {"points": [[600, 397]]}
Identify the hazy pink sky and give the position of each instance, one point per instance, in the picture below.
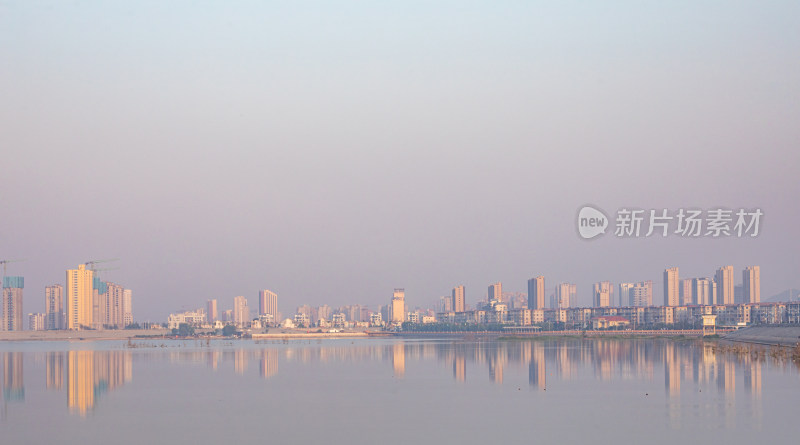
{"points": [[332, 152]]}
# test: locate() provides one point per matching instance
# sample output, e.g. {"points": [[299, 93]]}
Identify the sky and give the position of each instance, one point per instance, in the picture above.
{"points": [[333, 151]]}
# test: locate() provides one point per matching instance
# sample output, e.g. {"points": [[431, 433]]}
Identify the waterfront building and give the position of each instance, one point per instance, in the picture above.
{"points": [[671, 287], [268, 303], [12, 303], [397, 307], [54, 307], [641, 294], [37, 322], [724, 280], [241, 313], [458, 299], [565, 295], [625, 294], [603, 294], [211, 310], [495, 292], [751, 284], [79, 298], [536, 293]]}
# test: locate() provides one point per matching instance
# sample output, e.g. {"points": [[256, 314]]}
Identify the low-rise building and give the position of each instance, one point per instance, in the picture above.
{"points": [[192, 318], [609, 321], [302, 320], [37, 322]]}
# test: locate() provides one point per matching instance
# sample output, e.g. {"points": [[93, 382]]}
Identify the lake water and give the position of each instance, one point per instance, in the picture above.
{"points": [[394, 391]]}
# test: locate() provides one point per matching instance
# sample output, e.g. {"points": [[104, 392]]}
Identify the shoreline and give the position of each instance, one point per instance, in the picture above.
{"points": [[63, 335], [788, 336], [145, 334]]}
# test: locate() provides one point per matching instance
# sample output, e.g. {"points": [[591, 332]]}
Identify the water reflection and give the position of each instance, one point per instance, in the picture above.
{"points": [[13, 386], [689, 368], [399, 360], [90, 374]]}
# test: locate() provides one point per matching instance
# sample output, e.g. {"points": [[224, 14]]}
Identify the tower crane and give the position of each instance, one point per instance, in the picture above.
{"points": [[90, 264], [5, 263]]}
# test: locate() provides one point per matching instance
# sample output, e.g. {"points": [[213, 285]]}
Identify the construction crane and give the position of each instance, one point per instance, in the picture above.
{"points": [[90, 264], [97, 271], [5, 262]]}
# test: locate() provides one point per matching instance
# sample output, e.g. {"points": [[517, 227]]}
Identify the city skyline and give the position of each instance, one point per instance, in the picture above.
{"points": [[700, 290], [306, 158]]}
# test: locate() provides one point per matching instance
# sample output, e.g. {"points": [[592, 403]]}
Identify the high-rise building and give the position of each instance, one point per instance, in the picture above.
{"points": [[268, 303], [724, 280], [701, 291], [114, 303], [536, 293], [738, 294], [603, 294], [641, 294], [12, 303], [686, 292], [241, 313], [309, 312], [54, 307], [99, 301], [79, 298], [751, 284], [108, 304], [127, 307], [713, 294], [397, 314], [227, 316], [37, 322], [458, 299], [324, 312], [565, 295], [672, 293], [625, 294], [496, 292], [446, 304], [211, 310]]}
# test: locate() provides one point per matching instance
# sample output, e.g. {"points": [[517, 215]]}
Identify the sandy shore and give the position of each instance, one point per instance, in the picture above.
{"points": [[140, 333], [311, 335], [767, 335], [122, 334]]}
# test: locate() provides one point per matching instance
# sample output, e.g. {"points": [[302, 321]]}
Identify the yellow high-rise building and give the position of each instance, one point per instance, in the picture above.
{"points": [[397, 313], [79, 298], [672, 293], [458, 304]]}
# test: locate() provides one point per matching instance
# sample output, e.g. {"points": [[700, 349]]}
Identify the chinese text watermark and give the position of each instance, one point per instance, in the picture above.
{"points": [[686, 223]]}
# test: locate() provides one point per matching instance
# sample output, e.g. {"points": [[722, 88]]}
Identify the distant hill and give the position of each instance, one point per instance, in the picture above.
{"points": [[787, 295]]}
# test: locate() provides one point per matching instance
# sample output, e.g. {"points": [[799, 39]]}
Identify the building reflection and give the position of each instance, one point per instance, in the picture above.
{"points": [[90, 374], [672, 371], [692, 371], [497, 358], [460, 368], [55, 370], [537, 367], [399, 360], [13, 386], [240, 361], [268, 366], [213, 358]]}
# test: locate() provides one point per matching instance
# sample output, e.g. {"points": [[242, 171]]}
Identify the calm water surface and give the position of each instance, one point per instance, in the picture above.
{"points": [[394, 391]]}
